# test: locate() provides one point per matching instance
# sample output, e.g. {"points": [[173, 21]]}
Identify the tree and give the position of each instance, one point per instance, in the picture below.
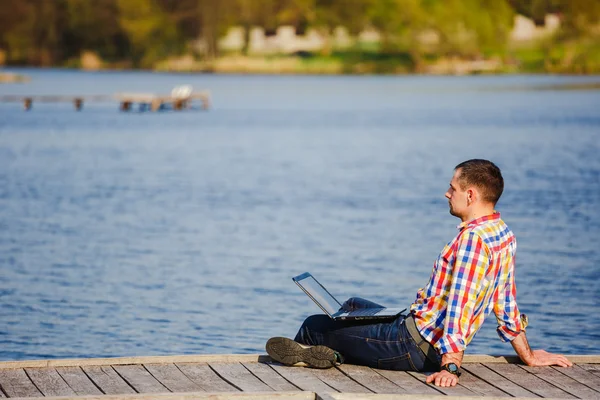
{"points": [[149, 30], [32, 32], [94, 26]]}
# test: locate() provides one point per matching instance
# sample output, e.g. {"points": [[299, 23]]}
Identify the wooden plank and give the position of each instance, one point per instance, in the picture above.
{"points": [[594, 368], [78, 380], [480, 386], [408, 382], [107, 379], [140, 379], [196, 396], [206, 378], [513, 359], [16, 383], [373, 396], [172, 378], [529, 381], [457, 390], [199, 358], [340, 382], [582, 376], [370, 379], [302, 378], [269, 376], [49, 382], [240, 377], [563, 382], [499, 381], [80, 362]]}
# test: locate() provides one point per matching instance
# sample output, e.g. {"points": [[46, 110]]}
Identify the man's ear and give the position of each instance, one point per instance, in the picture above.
{"points": [[472, 195]]}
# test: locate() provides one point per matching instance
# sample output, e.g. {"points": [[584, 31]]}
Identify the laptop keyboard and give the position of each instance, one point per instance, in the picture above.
{"points": [[362, 312]]}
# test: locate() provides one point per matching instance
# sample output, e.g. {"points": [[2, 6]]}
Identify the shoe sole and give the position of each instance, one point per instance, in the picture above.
{"points": [[289, 352]]}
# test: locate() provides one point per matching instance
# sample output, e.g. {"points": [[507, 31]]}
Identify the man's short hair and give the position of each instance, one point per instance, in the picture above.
{"points": [[484, 175]]}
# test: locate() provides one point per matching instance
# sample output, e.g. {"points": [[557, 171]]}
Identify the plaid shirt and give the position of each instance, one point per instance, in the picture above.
{"points": [[473, 275]]}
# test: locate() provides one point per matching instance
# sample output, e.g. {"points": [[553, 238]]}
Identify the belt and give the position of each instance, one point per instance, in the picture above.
{"points": [[423, 344]]}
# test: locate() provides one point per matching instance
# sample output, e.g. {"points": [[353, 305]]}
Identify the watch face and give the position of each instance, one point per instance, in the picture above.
{"points": [[452, 367]]}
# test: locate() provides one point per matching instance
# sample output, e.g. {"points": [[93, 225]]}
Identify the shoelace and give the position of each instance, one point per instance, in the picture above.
{"points": [[339, 359]]}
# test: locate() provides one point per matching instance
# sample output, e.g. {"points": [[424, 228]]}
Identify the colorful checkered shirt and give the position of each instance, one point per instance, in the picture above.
{"points": [[473, 275]]}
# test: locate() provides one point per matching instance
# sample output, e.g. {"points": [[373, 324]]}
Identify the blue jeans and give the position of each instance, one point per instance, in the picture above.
{"points": [[383, 345]]}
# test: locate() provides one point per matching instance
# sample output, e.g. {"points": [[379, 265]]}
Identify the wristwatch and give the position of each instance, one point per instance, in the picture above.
{"points": [[452, 368]]}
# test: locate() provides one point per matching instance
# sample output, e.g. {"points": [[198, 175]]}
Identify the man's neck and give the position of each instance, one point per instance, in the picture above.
{"points": [[478, 213]]}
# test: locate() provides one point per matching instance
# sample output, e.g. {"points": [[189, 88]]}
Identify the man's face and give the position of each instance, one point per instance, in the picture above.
{"points": [[457, 198]]}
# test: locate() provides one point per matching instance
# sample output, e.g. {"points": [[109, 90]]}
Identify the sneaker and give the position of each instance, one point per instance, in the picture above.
{"points": [[289, 352]]}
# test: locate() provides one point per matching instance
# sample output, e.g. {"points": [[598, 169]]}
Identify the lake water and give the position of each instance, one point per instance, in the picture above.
{"points": [[126, 234]]}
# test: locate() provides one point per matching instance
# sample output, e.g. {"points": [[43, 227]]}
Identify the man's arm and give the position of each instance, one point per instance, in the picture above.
{"points": [[467, 272], [445, 378], [537, 358]]}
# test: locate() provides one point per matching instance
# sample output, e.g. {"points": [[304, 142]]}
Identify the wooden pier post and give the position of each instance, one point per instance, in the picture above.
{"points": [[179, 104], [205, 102], [27, 103], [78, 103], [125, 106], [155, 105]]}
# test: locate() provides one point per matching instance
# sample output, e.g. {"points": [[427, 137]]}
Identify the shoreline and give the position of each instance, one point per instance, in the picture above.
{"points": [[10, 77], [312, 64]]}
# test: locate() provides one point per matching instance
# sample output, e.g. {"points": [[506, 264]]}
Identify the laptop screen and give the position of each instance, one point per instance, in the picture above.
{"points": [[318, 293]]}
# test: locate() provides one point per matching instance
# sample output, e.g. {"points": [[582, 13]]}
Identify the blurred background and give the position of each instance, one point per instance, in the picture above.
{"points": [[332, 134], [308, 36]]}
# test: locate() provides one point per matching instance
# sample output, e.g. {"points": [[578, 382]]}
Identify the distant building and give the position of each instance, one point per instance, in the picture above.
{"points": [[525, 30], [286, 41]]}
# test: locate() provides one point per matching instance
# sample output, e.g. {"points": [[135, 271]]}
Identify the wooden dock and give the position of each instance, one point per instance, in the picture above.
{"points": [[127, 101], [257, 377]]}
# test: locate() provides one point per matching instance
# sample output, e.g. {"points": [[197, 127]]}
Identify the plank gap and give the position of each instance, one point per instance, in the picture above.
{"points": [[90, 378], [78, 381], [356, 381], [33, 382], [158, 380], [140, 378], [108, 380], [219, 375], [533, 394], [290, 381], [409, 383], [50, 382], [304, 379], [458, 390], [126, 381], [582, 376], [266, 367], [372, 379], [564, 382], [203, 376], [482, 372], [2, 391], [241, 376], [531, 382]]}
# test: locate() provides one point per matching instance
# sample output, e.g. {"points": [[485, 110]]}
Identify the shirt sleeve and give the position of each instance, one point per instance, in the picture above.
{"points": [[467, 275], [507, 311]]}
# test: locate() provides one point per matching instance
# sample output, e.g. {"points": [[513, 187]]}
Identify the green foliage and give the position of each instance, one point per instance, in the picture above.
{"points": [[471, 27], [151, 33], [145, 32]]}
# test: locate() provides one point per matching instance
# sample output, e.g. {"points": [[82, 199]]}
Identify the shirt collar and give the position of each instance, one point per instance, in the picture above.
{"points": [[479, 221]]}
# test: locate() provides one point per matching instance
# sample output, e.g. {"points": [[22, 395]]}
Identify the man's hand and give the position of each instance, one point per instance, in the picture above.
{"points": [[540, 358], [537, 358], [443, 378]]}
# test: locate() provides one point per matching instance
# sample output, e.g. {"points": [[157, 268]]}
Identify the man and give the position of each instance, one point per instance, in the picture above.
{"points": [[473, 276]]}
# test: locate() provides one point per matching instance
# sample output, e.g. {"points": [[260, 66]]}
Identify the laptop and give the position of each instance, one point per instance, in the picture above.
{"points": [[332, 307]]}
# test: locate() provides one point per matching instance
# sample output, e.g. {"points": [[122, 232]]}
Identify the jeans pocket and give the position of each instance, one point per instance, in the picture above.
{"points": [[399, 363]]}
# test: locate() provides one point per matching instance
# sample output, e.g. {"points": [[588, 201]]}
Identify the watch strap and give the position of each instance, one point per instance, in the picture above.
{"points": [[452, 368]]}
